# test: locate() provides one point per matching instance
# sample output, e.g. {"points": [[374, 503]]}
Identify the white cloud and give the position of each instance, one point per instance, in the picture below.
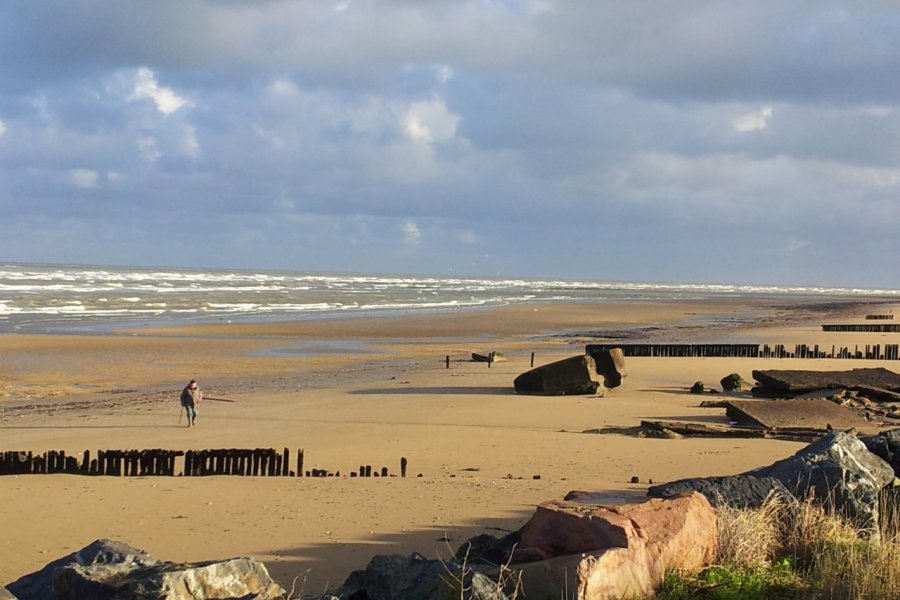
{"points": [[795, 245], [412, 235], [188, 144], [84, 178], [429, 122], [114, 176], [443, 73], [283, 203], [754, 121], [282, 88], [147, 148], [2, 127], [146, 86], [468, 237]]}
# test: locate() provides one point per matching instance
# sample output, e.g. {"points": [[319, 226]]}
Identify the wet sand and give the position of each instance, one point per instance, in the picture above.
{"points": [[367, 390]]}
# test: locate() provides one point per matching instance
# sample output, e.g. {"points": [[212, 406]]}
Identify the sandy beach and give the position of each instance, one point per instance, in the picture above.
{"points": [[369, 390]]}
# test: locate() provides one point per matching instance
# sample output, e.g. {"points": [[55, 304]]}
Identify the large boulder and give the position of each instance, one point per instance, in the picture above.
{"points": [[840, 472], [108, 570], [568, 377], [39, 585], [605, 552], [389, 577], [836, 470], [242, 578]]}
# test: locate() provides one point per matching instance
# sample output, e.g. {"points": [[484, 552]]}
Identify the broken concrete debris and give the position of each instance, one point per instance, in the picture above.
{"points": [[816, 414], [792, 382], [577, 375]]}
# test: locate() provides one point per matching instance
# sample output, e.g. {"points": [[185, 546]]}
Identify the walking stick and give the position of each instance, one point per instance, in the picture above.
{"points": [[180, 414]]}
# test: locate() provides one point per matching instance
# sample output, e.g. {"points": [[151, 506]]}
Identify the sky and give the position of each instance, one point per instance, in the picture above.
{"points": [[705, 141]]}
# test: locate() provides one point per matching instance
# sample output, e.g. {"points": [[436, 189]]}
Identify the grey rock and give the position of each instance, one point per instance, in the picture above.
{"points": [[739, 491], [893, 437], [878, 445], [107, 570], [733, 382], [474, 549], [242, 578], [414, 577], [840, 472], [39, 585]]}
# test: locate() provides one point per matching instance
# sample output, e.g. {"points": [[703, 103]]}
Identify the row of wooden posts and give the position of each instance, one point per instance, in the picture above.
{"points": [[258, 462], [863, 328], [885, 317], [869, 351]]}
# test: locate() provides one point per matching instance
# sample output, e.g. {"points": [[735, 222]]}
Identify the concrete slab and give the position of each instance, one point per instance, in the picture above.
{"points": [[816, 413]]}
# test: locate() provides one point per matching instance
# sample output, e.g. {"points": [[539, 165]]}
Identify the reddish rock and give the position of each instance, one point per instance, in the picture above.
{"points": [[604, 552]]}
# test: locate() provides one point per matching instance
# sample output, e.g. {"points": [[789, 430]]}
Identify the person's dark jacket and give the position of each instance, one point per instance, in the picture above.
{"points": [[191, 397]]}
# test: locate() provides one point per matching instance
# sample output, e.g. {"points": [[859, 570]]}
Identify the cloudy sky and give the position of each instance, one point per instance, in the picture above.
{"points": [[706, 141]]}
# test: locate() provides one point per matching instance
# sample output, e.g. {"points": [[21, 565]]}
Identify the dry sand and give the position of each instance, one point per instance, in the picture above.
{"points": [[366, 390]]}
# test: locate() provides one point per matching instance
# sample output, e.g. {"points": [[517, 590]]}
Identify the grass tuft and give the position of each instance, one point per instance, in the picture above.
{"points": [[794, 549]]}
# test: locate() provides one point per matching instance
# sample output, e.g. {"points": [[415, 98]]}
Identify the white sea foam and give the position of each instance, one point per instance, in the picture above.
{"points": [[72, 293]]}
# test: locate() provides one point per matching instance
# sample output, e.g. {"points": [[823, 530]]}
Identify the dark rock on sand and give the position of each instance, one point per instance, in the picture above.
{"points": [[697, 388], [739, 491], [733, 383], [107, 570], [417, 578], [886, 445], [39, 585]]}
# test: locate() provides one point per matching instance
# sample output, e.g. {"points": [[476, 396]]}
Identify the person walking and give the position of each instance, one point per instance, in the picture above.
{"points": [[190, 398]]}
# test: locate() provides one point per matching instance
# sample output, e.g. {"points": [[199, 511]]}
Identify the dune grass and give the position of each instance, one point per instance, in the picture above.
{"points": [[795, 550]]}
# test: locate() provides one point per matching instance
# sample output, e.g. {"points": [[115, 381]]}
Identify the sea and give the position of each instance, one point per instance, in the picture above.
{"points": [[74, 298]]}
